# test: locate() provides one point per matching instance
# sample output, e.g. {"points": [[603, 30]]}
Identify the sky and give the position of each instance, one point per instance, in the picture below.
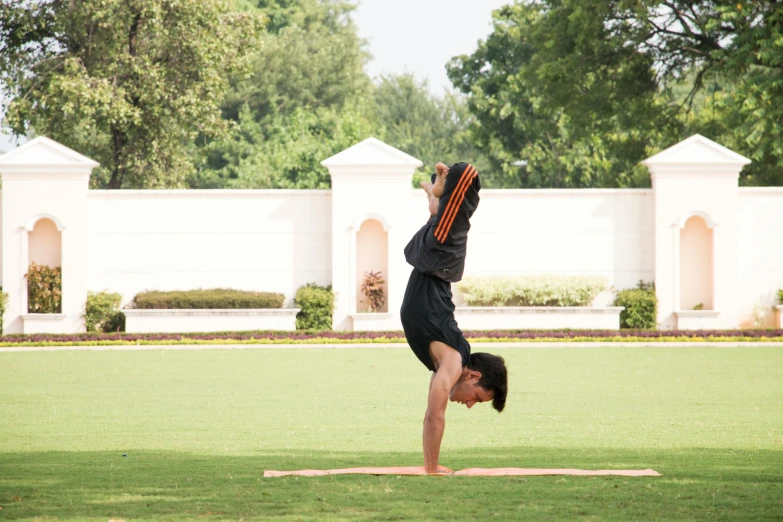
{"points": [[414, 36], [421, 36]]}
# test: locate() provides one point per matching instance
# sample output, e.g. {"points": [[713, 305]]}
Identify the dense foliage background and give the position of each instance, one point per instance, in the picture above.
{"points": [[255, 93]]}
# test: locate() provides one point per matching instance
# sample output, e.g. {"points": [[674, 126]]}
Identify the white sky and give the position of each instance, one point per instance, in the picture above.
{"points": [[415, 36], [421, 36]]}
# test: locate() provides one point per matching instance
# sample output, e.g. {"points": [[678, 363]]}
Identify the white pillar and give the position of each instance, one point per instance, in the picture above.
{"points": [[44, 180], [370, 180], [696, 177]]}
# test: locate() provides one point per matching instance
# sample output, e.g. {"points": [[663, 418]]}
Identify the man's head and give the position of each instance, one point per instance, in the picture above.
{"points": [[484, 379]]}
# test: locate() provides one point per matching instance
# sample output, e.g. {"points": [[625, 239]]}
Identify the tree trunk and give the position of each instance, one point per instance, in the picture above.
{"points": [[118, 136], [118, 169]]}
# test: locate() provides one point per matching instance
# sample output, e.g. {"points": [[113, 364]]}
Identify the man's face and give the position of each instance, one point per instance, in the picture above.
{"points": [[468, 392]]}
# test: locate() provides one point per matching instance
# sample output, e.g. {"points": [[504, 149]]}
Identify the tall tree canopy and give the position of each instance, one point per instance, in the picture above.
{"points": [[585, 89], [311, 56], [129, 83], [426, 126], [305, 100]]}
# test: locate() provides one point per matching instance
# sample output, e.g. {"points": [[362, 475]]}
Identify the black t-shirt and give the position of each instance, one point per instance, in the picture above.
{"points": [[440, 246]]}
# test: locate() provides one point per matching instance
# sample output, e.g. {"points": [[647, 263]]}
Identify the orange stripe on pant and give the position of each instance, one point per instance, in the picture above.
{"points": [[458, 198], [454, 203], [463, 188], [450, 205]]}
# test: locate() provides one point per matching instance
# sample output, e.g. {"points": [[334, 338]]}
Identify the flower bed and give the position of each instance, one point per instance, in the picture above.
{"points": [[312, 337]]}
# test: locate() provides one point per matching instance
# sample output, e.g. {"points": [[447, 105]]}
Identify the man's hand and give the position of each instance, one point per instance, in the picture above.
{"points": [[442, 470]]}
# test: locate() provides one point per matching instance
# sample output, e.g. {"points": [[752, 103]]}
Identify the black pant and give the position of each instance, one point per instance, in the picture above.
{"points": [[427, 315]]}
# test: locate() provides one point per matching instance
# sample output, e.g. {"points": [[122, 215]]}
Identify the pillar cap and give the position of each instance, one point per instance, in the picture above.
{"points": [[45, 155], [371, 156], [696, 155]]}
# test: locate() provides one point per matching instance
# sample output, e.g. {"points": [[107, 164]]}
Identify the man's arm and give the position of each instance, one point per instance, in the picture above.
{"points": [[443, 380]]}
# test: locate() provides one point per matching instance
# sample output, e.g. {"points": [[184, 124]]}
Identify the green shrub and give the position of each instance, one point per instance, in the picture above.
{"points": [[641, 306], [3, 303], [103, 312], [44, 289], [217, 298], [544, 290], [780, 296], [317, 305]]}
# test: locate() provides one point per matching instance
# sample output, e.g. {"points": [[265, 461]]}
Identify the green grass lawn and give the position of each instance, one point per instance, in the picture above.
{"points": [[200, 427]]}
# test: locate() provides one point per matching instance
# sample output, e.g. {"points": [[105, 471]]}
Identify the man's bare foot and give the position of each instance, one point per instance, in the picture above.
{"points": [[441, 171]]}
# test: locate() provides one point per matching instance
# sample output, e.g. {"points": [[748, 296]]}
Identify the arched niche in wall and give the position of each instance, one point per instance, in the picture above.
{"points": [[371, 255], [44, 242], [696, 261], [43, 237]]}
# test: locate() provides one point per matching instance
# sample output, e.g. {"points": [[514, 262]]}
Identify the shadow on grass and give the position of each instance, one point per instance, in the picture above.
{"points": [[709, 484]]}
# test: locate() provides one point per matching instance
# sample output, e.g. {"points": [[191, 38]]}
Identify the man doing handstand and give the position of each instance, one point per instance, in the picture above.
{"points": [[437, 254]]}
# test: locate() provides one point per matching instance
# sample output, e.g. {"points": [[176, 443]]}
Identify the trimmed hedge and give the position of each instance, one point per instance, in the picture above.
{"points": [[641, 306], [317, 306], [216, 298], [544, 290], [102, 312], [780, 296]]}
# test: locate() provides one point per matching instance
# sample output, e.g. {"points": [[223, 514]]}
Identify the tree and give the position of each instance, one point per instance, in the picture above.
{"points": [[127, 82], [428, 127], [281, 150], [311, 57], [300, 103], [607, 74], [554, 88], [729, 53]]}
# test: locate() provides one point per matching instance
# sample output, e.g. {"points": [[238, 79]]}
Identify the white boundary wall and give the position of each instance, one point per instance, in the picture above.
{"points": [[278, 240], [760, 253], [573, 232], [263, 240]]}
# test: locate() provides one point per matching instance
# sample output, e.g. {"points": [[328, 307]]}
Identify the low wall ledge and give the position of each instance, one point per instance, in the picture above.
{"points": [[44, 317], [540, 309], [143, 312], [697, 313]]}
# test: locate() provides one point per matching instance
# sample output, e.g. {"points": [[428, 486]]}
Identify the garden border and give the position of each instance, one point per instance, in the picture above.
{"points": [[393, 337]]}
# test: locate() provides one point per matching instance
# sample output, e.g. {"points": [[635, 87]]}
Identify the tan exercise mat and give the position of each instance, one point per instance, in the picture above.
{"points": [[468, 472]]}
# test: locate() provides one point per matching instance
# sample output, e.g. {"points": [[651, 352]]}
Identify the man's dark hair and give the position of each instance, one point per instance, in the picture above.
{"points": [[494, 377]]}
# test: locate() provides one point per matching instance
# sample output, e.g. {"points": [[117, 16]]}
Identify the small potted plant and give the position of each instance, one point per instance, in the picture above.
{"points": [[372, 289]]}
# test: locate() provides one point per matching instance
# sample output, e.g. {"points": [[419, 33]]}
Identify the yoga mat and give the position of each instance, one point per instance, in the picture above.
{"points": [[468, 472]]}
